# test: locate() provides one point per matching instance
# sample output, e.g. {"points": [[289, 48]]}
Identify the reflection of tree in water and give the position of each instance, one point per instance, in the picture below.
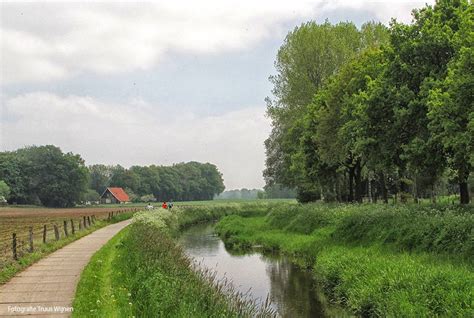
{"points": [[200, 238], [292, 289]]}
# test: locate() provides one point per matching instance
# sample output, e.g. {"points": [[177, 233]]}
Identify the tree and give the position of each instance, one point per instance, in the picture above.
{"points": [[332, 148], [91, 196], [451, 109], [55, 178], [420, 56], [12, 172], [149, 180], [311, 54], [4, 190], [100, 176], [124, 178]]}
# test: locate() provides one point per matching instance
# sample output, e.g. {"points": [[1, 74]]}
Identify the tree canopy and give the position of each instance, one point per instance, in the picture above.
{"points": [[375, 111], [45, 175]]}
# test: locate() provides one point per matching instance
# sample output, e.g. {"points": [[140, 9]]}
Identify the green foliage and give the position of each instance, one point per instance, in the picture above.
{"points": [[91, 196], [4, 189], [244, 193], [147, 198], [44, 174], [180, 182], [99, 177], [310, 54], [387, 116]]}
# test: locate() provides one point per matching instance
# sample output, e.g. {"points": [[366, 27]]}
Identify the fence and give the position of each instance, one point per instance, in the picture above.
{"points": [[19, 242]]}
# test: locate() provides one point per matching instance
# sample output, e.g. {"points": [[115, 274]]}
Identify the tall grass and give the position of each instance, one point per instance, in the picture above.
{"points": [[377, 260]]}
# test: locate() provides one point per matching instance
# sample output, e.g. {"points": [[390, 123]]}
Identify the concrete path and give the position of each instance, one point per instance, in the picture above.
{"points": [[47, 288]]}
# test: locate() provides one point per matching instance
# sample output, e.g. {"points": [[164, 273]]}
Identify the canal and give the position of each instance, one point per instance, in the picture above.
{"points": [[292, 290]]}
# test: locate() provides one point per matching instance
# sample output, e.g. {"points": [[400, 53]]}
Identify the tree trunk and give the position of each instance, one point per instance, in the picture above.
{"points": [[415, 189], [351, 184], [383, 187], [464, 192], [369, 189], [358, 182]]}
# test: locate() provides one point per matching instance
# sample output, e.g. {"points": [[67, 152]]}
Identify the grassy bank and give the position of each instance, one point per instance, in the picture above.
{"points": [[142, 272], [7, 272], [376, 260]]}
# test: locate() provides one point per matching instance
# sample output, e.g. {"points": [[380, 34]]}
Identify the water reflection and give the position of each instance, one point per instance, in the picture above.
{"points": [[291, 289]]}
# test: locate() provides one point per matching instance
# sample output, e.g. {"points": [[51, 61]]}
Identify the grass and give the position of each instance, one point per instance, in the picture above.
{"points": [[13, 267], [142, 272], [99, 294], [376, 260]]}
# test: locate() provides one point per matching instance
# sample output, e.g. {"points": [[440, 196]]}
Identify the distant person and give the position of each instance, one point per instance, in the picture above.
{"points": [[164, 205], [170, 204]]}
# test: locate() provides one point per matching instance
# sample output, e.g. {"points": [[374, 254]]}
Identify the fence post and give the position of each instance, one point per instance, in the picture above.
{"points": [[65, 228], [80, 225], [30, 237], [56, 232], [85, 223], [89, 220], [44, 234], [15, 255], [73, 230]]}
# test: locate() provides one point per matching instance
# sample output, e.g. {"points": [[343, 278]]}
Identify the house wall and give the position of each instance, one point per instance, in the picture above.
{"points": [[108, 198]]}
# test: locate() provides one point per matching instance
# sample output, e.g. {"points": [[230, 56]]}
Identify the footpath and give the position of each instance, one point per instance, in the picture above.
{"points": [[47, 288]]}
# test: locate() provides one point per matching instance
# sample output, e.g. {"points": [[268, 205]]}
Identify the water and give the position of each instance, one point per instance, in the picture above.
{"points": [[292, 290]]}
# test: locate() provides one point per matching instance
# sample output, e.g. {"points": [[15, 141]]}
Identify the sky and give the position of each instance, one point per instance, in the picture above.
{"points": [[154, 82]]}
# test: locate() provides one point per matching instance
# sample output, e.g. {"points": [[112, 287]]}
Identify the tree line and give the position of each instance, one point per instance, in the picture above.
{"points": [[44, 175], [376, 111]]}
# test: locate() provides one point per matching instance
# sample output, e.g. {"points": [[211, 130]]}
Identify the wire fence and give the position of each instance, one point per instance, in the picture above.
{"points": [[21, 237]]}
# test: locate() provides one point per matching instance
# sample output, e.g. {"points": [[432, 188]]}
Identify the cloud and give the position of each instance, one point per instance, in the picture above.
{"points": [[49, 41], [139, 133]]}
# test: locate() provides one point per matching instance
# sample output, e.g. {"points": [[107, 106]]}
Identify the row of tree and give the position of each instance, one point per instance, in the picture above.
{"points": [[183, 181], [274, 191], [375, 111], [45, 175], [241, 194]]}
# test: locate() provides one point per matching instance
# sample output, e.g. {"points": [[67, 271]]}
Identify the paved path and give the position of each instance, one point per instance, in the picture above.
{"points": [[52, 281]]}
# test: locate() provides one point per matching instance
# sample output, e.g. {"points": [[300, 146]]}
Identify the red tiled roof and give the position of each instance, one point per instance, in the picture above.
{"points": [[119, 194]]}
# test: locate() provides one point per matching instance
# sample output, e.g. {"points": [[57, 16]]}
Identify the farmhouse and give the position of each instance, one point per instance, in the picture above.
{"points": [[114, 195]]}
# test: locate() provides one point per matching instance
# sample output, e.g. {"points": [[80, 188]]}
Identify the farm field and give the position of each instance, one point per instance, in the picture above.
{"points": [[19, 220]]}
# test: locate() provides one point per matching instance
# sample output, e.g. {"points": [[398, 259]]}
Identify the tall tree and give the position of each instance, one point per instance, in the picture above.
{"points": [[57, 179], [100, 176], [310, 54], [451, 106]]}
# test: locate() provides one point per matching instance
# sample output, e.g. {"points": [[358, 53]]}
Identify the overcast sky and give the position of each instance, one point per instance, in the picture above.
{"points": [[154, 83]]}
